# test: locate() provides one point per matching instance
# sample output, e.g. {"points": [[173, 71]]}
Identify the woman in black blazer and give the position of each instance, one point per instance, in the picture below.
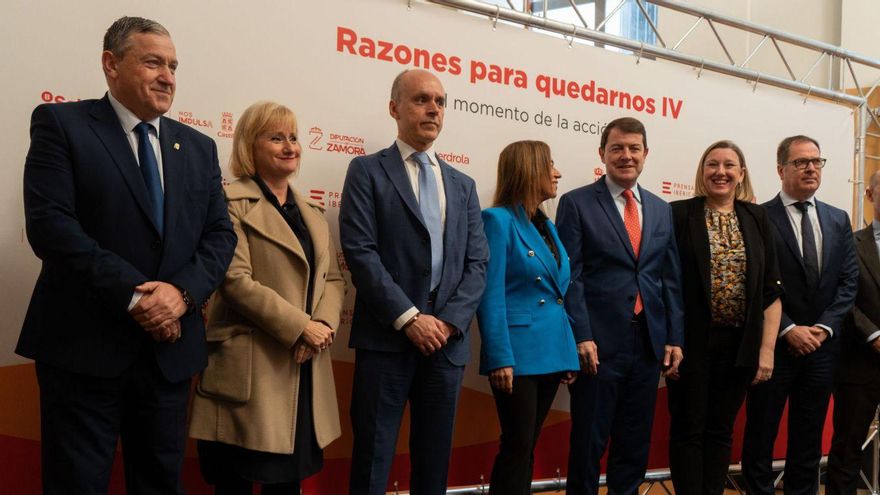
{"points": [[731, 289]]}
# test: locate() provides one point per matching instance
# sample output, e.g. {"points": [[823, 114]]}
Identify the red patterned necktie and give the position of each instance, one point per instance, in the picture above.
{"points": [[631, 221]]}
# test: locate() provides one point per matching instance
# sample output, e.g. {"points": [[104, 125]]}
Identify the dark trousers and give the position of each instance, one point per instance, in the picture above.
{"points": [[618, 403], [82, 417], [806, 382], [854, 407], [383, 383], [703, 405], [521, 415]]}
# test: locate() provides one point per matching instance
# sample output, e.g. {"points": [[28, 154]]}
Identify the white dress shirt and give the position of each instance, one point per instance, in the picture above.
{"points": [[795, 216], [413, 169]]}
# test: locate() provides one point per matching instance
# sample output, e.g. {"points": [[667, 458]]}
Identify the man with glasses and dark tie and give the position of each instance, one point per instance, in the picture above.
{"points": [[125, 209], [819, 272], [412, 235]]}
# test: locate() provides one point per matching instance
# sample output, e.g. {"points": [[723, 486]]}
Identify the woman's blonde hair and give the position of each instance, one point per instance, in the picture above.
{"points": [[256, 119], [523, 167], [744, 191]]}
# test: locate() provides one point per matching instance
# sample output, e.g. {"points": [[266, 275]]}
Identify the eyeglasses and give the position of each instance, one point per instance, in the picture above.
{"points": [[803, 163]]}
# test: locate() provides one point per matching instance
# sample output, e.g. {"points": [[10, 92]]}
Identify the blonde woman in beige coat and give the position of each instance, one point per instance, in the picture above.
{"points": [[265, 406]]}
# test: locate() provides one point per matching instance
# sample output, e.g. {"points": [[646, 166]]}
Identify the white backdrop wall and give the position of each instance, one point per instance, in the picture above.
{"points": [[304, 54]]}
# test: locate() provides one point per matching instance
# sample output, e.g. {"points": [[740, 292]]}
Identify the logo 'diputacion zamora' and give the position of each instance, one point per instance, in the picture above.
{"points": [[316, 133], [336, 143]]}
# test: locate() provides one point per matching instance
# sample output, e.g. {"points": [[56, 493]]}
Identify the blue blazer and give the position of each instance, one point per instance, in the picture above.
{"points": [[605, 273], [522, 319], [838, 282], [87, 214], [388, 251]]}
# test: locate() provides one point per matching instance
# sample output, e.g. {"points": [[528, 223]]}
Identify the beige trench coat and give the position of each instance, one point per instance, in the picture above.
{"points": [[247, 395]]}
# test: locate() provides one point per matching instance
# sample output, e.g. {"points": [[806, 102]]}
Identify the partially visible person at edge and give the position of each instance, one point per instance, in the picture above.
{"points": [[266, 405], [857, 379], [731, 316], [528, 348], [125, 209]]}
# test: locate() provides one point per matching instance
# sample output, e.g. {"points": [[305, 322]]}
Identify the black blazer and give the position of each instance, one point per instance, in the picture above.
{"points": [[87, 220], [834, 296], [859, 363], [763, 282]]}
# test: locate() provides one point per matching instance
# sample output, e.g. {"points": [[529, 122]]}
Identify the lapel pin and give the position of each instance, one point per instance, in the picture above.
{"points": [[177, 146]]}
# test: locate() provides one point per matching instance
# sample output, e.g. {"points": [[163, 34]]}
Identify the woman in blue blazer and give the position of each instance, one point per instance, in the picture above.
{"points": [[527, 344]]}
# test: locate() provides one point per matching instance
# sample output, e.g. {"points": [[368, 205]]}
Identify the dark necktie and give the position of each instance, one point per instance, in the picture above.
{"points": [[429, 203], [150, 173], [808, 239]]}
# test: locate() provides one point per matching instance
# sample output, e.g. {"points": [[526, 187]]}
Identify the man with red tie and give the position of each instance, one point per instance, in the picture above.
{"points": [[625, 302]]}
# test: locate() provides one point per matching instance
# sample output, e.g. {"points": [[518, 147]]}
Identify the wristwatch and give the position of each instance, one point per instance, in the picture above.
{"points": [[190, 306]]}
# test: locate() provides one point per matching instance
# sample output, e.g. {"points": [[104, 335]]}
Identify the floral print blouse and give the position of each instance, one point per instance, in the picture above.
{"points": [[728, 262]]}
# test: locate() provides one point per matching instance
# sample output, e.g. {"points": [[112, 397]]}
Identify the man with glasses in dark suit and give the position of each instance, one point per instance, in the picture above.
{"points": [[819, 272]]}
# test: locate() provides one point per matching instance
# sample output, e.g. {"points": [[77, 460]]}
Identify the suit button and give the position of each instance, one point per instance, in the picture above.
{"points": [[559, 301], [541, 301], [426, 272], [155, 245], [537, 279], [630, 298], [531, 253], [424, 240]]}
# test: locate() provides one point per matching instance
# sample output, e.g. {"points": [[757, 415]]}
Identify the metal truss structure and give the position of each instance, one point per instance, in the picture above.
{"points": [[839, 59]]}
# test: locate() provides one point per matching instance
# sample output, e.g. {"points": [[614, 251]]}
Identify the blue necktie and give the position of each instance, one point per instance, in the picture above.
{"points": [[810, 254], [429, 204], [150, 172]]}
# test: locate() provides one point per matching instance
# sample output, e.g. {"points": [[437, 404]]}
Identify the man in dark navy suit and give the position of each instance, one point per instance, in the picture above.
{"points": [[817, 260], [626, 310], [857, 380], [125, 209], [413, 239]]}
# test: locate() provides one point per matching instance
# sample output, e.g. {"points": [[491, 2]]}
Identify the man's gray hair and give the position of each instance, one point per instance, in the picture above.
{"points": [[117, 39], [395, 87]]}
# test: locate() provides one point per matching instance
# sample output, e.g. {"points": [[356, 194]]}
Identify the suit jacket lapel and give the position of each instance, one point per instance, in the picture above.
{"points": [[317, 228], [827, 238], [603, 195], [264, 219], [108, 129], [530, 236], [867, 251], [563, 277], [699, 236], [394, 167], [648, 223], [174, 173], [451, 191], [777, 213]]}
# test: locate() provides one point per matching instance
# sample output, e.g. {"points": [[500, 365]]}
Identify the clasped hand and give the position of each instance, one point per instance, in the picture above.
{"points": [[428, 334], [803, 340], [159, 310]]}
